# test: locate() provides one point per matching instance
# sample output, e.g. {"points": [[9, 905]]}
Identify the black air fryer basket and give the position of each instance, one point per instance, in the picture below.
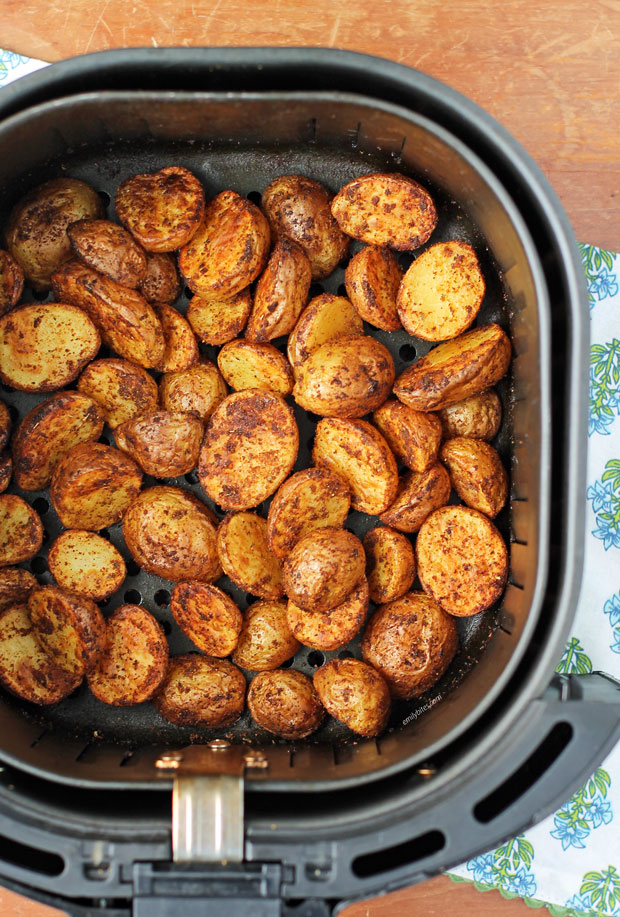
{"points": [[298, 828]]}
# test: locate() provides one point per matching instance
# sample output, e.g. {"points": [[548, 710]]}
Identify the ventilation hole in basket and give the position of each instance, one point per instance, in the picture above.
{"points": [[31, 858], [104, 352], [40, 295], [255, 197], [38, 565], [407, 352], [162, 598], [46, 536], [105, 198], [379, 861], [14, 413], [132, 568], [315, 290], [192, 477], [105, 534], [133, 597], [103, 604], [345, 654], [343, 262], [166, 627], [41, 505], [342, 290], [105, 440], [288, 663], [188, 293], [6, 388], [316, 659]]}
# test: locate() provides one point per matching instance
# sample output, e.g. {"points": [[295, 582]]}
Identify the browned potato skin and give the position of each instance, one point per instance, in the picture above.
{"points": [[323, 569], [479, 416], [161, 281], [109, 249], [413, 436], [201, 691], [329, 630], [120, 388], [16, 584], [265, 641], [281, 293], [299, 208], [411, 642], [455, 369], [229, 250], [82, 640], [348, 377], [86, 564], [245, 555], [477, 474], [5, 424], [462, 560], [37, 229], [246, 364], [390, 564], [181, 347], [326, 318], [217, 321], [163, 210], [386, 209], [310, 499], [6, 470], [197, 390], [164, 444], [172, 534], [48, 431], [11, 282], [21, 531], [418, 495], [285, 703], [207, 616], [354, 693], [372, 279]]}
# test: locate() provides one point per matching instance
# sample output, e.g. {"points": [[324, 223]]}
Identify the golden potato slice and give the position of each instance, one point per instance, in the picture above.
{"points": [[201, 691], [348, 377], [285, 703], [456, 369], [229, 250], [161, 209], [281, 293], [357, 453], [390, 564], [246, 557], [86, 564], [479, 416], [354, 693], [109, 249], [462, 560], [93, 485], [70, 628], [36, 234], [11, 282], [217, 321], [411, 642], [372, 279], [311, 499], [413, 436], [161, 282], [249, 448], [245, 364], [43, 346], [164, 444], [48, 431], [126, 321], [299, 208], [386, 209], [197, 390], [207, 616], [25, 667], [5, 424], [329, 630], [326, 318], [265, 641], [120, 388], [477, 474], [418, 495], [16, 585], [6, 470], [172, 534], [134, 662], [21, 531], [323, 568], [181, 347]]}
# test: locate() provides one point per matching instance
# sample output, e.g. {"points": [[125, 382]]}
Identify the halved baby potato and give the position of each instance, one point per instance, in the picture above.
{"points": [[246, 364], [120, 388], [413, 436], [477, 474], [164, 444], [390, 564], [323, 568], [6, 470], [86, 564], [245, 555], [161, 282], [109, 249], [372, 279], [354, 693], [181, 347], [201, 691], [418, 495], [479, 416], [5, 424], [208, 616], [265, 641], [217, 321], [161, 209], [16, 584], [285, 703], [196, 390], [310, 499], [329, 630], [326, 318], [21, 531], [281, 293], [70, 628], [11, 282]]}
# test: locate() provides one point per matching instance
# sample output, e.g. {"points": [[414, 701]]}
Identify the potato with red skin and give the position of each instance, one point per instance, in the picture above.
{"points": [[11, 282], [207, 616], [70, 628], [162, 210], [109, 249], [285, 703], [325, 318], [413, 436], [218, 321], [265, 641], [281, 293], [310, 499], [418, 495], [354, 693], [161, 282], [477, 474], [21, 531], [197, 390], [390, 564], [323, 568], [164, 444], [479, 416], [16, 584], [372, 279], [120, 388], [201, 691], [329, 630], [181, 347], [245, 555]]}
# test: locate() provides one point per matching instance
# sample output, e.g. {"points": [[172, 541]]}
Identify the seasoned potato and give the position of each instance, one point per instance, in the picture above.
{"points": [[311, 499], [5, 424], [281, 293], [326, 318], [265, 641], [386, 209], [329, 630], [299, 208], [126, 321], [372, 279], [229, 250], [86, 564], [161, 281], [284, 702], [390, 564], [11, 282], [456, 369], [21, 531], [197, 390], [92, 486], [109, 249], [164, 444], [16, 585], [36, 234], [201, 691], [120, 388], [418, 495], [348, 377], [354, 693], [181, 347], [161, 209], [411, 642], [478, 416], [172, 534], [245, 364], [246, 557], [6, 470], [217, 321], [249, 448], [44, 346], [477, 474], [70, 628], [357, 453], [462, 560], [48, 431], [134, 662], [323, 568], [207, 616], [413, 436]]}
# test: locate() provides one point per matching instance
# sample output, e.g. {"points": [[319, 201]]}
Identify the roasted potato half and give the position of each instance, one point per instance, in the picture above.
{"points": [[164, 444], [246, 558], [207, 616], [120, 388], [285, 703], [326, 318], [181, 346], [16, 584], [477, 474], [281, 293], [201, 691], [161, 281], [217, 321], [245, 364], [323, 568], [5, 424], [86, 564], [265, 641], [197, 390], [310, 499], [418, 495], [479, 416], [329, 630], [161, 209], [109, 249], [6, 470], [21, 531], [70, 628], [354, 693], [11, 282], [372, 279], [390, 564], [413, 436]]}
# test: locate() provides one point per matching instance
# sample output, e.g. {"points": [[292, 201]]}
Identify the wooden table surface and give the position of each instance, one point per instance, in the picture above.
{"points": [[548, 70]]}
